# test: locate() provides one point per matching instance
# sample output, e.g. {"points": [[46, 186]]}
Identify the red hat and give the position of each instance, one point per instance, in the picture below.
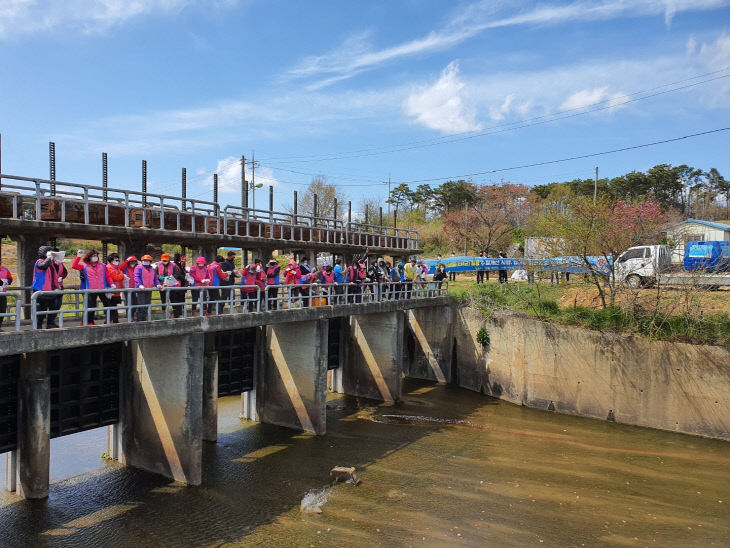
{"points": [[132, 258], [200, 260]]}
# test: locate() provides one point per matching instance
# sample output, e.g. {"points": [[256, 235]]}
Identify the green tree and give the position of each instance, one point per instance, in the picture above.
{"points": [[454, 195]]}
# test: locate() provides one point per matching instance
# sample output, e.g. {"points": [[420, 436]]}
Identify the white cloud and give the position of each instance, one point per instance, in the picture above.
{"points": [[691, 46], [583, 99], [440, 106], [356, 55], [498, 113], [23, 17], [229, 176]]}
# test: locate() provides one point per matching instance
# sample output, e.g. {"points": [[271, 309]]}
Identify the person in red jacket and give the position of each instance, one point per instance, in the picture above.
{"points": [[113, 267], [291, 278]]}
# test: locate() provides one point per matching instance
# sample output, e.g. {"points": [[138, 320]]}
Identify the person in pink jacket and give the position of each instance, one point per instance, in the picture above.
{"points": [[145, 279], [94, 275], [201, 280]]}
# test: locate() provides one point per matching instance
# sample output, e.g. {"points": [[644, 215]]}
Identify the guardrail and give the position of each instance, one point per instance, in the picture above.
{"points": [[170, 303], [46, 200]]}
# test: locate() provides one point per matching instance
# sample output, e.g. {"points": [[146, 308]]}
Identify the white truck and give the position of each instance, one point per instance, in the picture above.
{"points": [[646, 265]]}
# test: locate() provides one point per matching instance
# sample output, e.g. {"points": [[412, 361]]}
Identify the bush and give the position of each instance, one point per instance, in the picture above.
{"points": [[483, 337]]}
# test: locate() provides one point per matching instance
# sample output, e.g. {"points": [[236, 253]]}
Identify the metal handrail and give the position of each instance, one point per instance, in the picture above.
{"points": [[234, 299], [162, 204]]}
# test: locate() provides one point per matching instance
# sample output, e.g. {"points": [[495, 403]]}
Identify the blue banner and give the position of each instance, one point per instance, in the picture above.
{"points": [[485, 264]]}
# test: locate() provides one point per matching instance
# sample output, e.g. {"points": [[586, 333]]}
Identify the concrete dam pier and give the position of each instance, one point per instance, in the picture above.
{"points": [[158, 392]]}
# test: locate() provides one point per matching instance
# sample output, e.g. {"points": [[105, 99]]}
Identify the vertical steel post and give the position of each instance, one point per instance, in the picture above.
{"points": [[271, 198], [1, 159], [349, 212], [314, 209], [52, 176], [296, 205], [105, 196], [215, 189], [184, 188], [52, 165], [380, 217], [104, 174], [144, 183], [366, 214]]}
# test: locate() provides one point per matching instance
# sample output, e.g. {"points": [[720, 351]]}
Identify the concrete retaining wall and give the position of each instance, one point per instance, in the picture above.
{"points": [[670, 386]]}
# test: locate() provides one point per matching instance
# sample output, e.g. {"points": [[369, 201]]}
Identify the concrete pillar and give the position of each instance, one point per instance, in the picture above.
{"points": [[373, 365], [27, 256], [34, 427], [163, 410], [248, 406], [334, 381], [11, 471], [433, 332], [210, 397], [294, 379], [209, 251]]}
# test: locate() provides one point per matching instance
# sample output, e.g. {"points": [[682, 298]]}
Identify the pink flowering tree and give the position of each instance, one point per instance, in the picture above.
{"points": [[605, 229]]}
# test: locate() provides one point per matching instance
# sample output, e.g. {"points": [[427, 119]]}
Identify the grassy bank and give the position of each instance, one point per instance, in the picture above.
{"points": [[542, 302]]}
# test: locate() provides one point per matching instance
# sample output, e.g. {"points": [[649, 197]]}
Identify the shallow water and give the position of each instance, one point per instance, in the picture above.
{"points": [[490, 473]]}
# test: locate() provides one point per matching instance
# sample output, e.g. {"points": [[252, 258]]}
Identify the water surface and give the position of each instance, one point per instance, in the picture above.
{"points": [[492, 474]]}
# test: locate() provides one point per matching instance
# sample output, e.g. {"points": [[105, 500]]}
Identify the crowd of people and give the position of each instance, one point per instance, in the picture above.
{"points": [[212, 283]]}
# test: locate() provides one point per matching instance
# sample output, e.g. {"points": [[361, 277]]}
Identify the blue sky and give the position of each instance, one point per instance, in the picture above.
{"points": [[359, 91]]}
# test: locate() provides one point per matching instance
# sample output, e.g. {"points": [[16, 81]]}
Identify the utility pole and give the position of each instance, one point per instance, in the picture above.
{"points": [[595, 187], [244, 185], [253, 179], [388, 201]]}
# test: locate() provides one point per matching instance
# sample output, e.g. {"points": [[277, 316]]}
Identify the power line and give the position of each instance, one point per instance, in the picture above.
{"points": [[571, 158]]}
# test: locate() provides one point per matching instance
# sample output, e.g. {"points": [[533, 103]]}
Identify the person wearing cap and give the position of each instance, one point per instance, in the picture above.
{"points": [[113, 266], [199, 274], [169, 274], [94, 275], [145, 278], [272, 284]]}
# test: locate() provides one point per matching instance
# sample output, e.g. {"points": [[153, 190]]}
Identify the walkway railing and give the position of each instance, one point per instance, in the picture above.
{"points": [[45, 200], [70, 307]]}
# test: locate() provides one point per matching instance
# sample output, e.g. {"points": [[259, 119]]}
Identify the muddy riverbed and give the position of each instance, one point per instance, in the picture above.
{"points": [[445, 466]]}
